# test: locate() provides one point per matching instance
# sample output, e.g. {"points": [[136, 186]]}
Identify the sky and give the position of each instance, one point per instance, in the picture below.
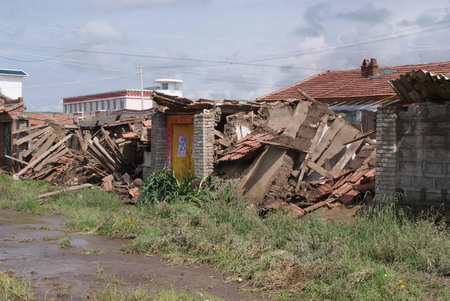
{"points": [[233, 49]]}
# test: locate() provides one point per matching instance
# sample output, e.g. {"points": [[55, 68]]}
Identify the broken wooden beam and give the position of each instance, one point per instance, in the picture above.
{"points": [[42, 157], [72, 188]]}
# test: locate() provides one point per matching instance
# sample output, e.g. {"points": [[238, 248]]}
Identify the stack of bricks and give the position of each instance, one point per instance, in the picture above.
{"points": [[386, 150], [203, 144], [159, 142]]}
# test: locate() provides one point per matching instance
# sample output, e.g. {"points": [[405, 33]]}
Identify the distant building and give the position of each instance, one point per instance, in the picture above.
{"points": [[130, 99], [11, 82]]}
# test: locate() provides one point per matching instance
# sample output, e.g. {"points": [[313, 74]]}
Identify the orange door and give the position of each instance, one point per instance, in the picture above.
{"points": [[182, 161]]}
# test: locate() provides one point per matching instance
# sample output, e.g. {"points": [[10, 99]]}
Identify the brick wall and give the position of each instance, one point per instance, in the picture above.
{"points": [[413, 153], [203, 144], [386, 136], [158, 159]]}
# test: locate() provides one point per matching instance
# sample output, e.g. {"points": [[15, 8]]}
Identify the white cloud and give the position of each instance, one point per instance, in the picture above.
{"points": [[100, 31]]}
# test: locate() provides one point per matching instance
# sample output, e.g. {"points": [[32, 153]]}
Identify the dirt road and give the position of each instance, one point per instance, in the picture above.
{"points": [[32, 247]]}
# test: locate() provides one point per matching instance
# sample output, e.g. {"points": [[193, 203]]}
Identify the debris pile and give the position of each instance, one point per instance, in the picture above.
{"points": [[67, 154], [297, 152]]}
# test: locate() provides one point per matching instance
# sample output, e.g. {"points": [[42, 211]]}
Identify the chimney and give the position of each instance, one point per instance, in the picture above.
{"points": [[364, 66], [372, 70]]}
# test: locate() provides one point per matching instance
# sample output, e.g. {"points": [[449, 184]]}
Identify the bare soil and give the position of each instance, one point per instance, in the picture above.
{"points": [[77, 272]]}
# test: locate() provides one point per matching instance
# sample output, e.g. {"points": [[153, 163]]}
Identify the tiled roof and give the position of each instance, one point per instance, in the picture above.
{"points": [[42, 118], [349, 83], [245, 146]]}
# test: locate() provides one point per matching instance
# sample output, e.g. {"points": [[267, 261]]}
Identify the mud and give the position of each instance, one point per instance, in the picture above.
{"points": [[28, 246]]}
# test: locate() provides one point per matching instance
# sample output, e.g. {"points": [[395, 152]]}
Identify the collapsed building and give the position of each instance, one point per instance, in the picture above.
{"points": [[299, 151]]}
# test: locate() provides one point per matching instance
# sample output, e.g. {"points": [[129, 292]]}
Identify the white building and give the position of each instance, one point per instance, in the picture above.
{"points": [[11, 82], [130, 99]]}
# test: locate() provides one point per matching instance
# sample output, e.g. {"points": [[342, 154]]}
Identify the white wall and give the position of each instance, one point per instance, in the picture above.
{"points": [[11, 86], [135, 103]]}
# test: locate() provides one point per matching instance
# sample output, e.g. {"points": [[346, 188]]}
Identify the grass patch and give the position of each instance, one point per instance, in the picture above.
{"points": [[92, 252], [308, 259], [13, 288], [111, 293]]}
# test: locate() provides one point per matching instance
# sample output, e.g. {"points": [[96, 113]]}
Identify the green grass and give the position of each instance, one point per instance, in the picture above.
{"points": [[13, 288], [290, 259], [111, 293]]}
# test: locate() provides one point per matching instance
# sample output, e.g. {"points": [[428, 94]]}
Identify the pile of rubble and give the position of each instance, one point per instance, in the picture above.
{"points": [[298, 153], [111, 157]]}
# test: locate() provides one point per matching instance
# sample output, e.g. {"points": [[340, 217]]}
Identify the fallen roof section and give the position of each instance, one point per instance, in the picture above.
{"points": [[418, 86]]}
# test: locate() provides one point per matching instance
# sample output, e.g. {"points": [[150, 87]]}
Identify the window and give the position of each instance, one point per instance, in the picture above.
{"points": [[96, 105], [85, 107], [114, 104], [66, 110], [122, 103], [79, 107], [164, 86], [91, 106], [108, 102], [102, 105]]}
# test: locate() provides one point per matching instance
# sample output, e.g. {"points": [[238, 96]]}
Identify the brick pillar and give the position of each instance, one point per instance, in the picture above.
{"points": [[203, 144], [158, 156], [386, 135]]}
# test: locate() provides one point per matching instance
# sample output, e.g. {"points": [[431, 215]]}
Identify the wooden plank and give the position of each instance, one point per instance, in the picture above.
{"points": [[103, 151], [55, 154], [42, 157], [30, 128], [30, 136], [300, 114], [305, 95], [322, 171], [320, 204], [36, 144], [114, 147], [45, 147], [351, 150], [96, 154], [72, 188], [17, 160], [360, 137], [337, 143], [329, 135], [314, 143]]}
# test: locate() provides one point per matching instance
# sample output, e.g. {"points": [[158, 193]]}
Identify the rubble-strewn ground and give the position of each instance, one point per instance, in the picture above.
{"points": [[381, 254]]}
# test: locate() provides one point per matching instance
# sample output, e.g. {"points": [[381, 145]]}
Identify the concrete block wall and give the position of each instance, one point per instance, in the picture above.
{"points": [[159, 158], [203, 151], [413, 154]]}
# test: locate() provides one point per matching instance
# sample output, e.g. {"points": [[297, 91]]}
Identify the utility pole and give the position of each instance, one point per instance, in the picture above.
{"points": [[142, 88]]}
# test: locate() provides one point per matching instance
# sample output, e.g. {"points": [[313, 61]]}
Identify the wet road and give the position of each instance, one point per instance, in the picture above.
{"points": [[71, 274]]}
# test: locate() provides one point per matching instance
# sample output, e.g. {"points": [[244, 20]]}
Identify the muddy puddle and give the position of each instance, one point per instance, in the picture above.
{"points": [[33, 247]]}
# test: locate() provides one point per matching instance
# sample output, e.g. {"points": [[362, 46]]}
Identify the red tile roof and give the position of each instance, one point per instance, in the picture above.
{"points": [[245, 146], [42, 118], [349, 83]]}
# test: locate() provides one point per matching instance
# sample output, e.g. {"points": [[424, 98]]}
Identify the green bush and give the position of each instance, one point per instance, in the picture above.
{"points": [[163, 186]]}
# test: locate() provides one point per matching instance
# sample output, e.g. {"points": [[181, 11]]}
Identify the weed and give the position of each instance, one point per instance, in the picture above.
{"points": [[13, 288], [92, 252], [52, 238], [65, 242]]}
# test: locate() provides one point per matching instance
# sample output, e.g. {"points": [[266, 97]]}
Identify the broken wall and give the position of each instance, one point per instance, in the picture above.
{"points": [[413, 153]]}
